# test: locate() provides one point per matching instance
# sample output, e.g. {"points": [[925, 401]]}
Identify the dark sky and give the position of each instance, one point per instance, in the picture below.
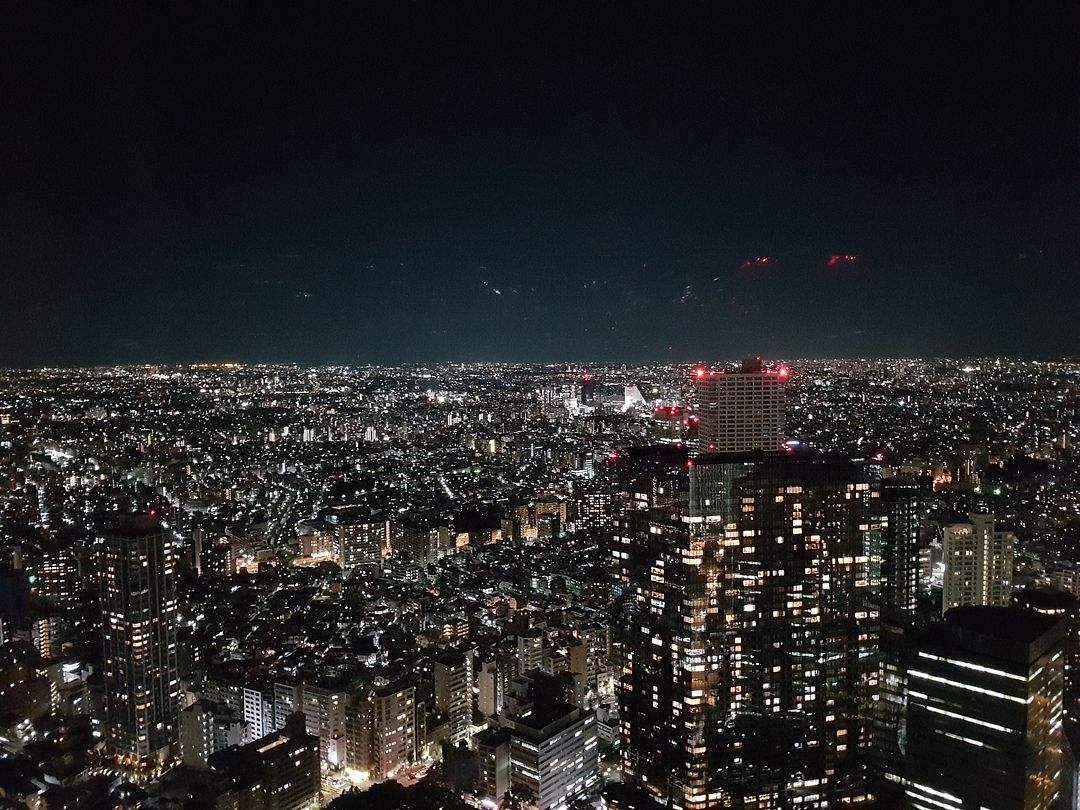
{"points": [[418, 182]]}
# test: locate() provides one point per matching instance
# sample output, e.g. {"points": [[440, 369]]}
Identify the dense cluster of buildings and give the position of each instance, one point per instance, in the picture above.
{"points": [[799, 585]]}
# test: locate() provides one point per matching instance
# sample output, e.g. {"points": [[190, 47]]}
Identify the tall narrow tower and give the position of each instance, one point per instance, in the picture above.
{"points": [[137, 579], [900, 512]]}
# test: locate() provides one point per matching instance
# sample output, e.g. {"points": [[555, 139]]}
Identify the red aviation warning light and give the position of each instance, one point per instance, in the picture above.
{"points": [[841, 259], [757, 261], [699, 372], [784, 372]]}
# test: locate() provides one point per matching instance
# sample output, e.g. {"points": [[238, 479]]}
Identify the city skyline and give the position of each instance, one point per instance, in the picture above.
{"points": [[412, 405], [542, 587]]}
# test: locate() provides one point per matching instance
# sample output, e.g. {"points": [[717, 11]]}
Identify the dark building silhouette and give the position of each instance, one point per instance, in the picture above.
{"points": [[900, 510], [1064, 606], [984, 727], [14, 603]]}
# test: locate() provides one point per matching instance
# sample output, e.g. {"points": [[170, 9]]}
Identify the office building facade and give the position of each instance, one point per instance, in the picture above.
{"points": [[984, 726], [749, 631], [553, 754]]}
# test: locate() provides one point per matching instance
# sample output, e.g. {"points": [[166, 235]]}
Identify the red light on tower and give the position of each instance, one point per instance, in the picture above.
{"points": [[784, 372], [699, 373]]}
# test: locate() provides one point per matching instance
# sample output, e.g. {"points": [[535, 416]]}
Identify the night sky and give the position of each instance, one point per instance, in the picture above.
{"points": [[604, 181]]}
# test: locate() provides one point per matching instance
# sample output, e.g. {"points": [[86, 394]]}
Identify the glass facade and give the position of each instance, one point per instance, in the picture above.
{"points": [[751, 635]]}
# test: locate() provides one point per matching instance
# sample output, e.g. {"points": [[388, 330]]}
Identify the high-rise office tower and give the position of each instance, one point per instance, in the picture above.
{"points": [[748, 631], [589, 389], [899, 512], [1066, 607], [900, 515], [137, 580], [984, 723], [741, 410], [978, 563]]}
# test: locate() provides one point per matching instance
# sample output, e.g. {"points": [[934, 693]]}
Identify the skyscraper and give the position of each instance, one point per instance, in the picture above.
{"points": [[1066, 607], [900, 511], [985, 711], [741, 410], [137, 580], [978, 563], [748, 634]]}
